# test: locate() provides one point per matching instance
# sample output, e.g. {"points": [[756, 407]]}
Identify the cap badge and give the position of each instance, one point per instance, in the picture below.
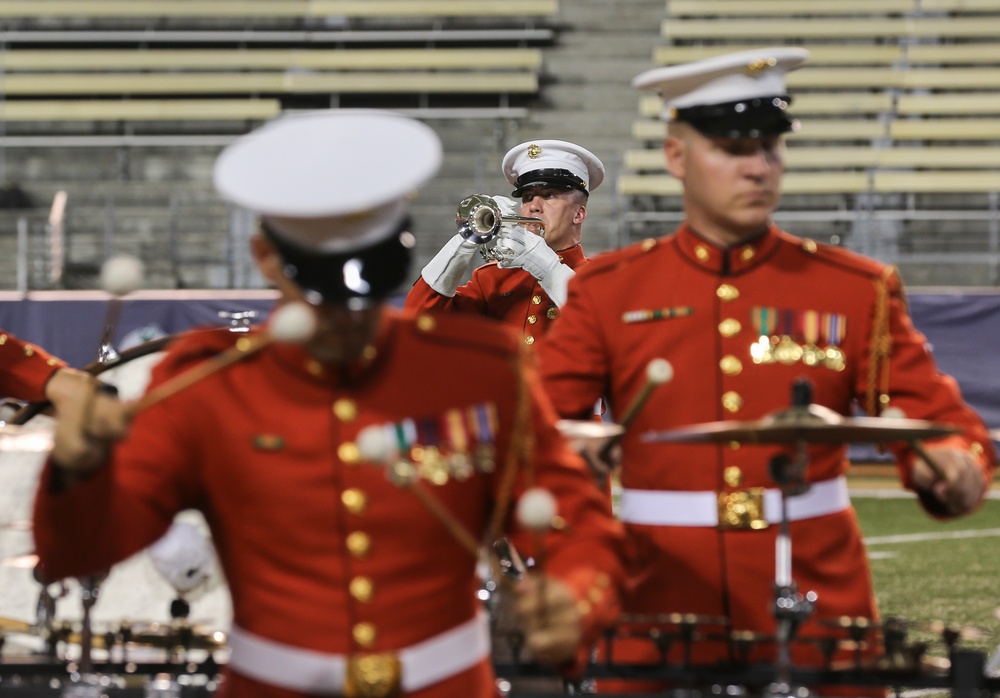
{"points": [[759, 64], [534, 150]]}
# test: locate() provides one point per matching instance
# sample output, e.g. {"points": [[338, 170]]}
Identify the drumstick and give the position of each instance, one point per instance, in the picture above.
{"points": [[658, 372], [375, 445], [917, 446], [120, 275], [536, 511], [292, 322]]}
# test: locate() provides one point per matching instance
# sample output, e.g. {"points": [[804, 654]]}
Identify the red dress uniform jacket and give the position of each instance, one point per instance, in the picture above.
{"points": [[512, 296], [320, 549], [705, 309], [24, 369]]}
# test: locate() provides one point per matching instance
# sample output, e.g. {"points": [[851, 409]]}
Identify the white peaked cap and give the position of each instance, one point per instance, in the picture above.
{"points": [[757, 74], [330, 180], [537, 163]]}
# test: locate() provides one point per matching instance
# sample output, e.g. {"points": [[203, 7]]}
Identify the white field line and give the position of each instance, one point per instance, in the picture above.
{"points": [[941, 535]]}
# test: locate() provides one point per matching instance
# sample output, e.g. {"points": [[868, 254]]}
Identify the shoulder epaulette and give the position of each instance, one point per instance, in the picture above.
{"points": [[466, 330], [838, 256], [198, 344], [612, 259]]}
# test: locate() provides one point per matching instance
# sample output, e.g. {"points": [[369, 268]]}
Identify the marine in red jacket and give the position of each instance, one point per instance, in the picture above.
{"points": [[525, 288], [743, 310], [348, 482]]}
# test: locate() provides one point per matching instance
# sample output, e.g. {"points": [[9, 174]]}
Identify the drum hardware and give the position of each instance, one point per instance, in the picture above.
{"points": [[480, 219], [239, 320]]}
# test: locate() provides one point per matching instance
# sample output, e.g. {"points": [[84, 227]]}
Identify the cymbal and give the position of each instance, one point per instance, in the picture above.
{"points": [[812, 424], [172, 636], [586, 430], [25, 439], [164, 636]]}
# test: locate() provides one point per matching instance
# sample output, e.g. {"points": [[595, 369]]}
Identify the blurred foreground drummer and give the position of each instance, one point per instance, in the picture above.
{"points": [[347, 577], [742, 310]]}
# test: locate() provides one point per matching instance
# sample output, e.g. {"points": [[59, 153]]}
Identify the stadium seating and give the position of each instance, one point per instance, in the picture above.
{"points": [[899, 107], [276, 8]]}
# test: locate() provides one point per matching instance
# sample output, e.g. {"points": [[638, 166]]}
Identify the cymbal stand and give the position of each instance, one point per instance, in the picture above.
{"points": [[791, 608]]}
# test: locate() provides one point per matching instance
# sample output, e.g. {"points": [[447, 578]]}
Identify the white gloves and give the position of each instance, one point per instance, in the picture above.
{"points": [[538, 259], [445, 272]]}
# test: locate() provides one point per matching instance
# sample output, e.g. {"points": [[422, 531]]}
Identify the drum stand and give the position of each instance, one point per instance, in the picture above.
{"points": [[791, 608]]}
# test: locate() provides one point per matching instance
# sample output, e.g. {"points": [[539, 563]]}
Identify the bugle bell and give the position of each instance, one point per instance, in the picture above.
{"points": [[479, 220]]}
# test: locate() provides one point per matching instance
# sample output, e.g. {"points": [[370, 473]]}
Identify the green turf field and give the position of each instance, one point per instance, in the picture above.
{"points": [[927, 570]]}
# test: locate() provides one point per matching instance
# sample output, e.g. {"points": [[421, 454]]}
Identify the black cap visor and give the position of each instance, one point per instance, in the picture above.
{"points": [[564, 179], [745, 118], [358, 277]]}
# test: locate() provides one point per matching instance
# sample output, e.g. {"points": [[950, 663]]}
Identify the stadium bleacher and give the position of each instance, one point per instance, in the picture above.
{"points": [[143, 77], [898, 108]]}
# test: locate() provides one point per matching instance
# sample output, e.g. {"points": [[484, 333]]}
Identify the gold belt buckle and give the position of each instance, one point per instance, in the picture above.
{"points": [[742, 510], [373, 676]]}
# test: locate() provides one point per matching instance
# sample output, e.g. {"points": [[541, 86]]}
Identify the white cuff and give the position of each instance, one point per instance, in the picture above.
{"points": [[555, 283], [446, 271]]}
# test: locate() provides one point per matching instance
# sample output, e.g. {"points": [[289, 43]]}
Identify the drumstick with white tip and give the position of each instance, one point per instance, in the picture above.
{"points": [[292, 323], [536, 511], [120, 275], [658, 372]]}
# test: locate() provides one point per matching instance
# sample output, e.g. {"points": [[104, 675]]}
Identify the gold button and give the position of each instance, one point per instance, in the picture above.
{"points": [[345, 409], [369, 353], [648, 244], [359, 543], [315, 368], [603, 580], [425, 323], [747, 253], [730, 327], [362, 589], [730, 365], [552, 313], [733, 476], [532, 319], [52, 362], [529, 340], [364, 634], [727, 292], [809, 246], [732, 401], [355, 500], [595, 595], [244, 344], [976, 448], [29, 350], [583, 607], [349, 453], [3, 339], [536, 300], [701, 252]]}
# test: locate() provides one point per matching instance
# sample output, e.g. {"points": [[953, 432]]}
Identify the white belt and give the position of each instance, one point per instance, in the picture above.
{"points": [[308, 671], [672, 508]]}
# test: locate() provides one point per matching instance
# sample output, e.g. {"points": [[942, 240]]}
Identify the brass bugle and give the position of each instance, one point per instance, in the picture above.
{"points": [[479, 219]]}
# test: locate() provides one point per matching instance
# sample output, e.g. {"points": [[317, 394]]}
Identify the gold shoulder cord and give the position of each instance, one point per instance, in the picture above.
{"points": [[518, 452], [880, 346]]}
